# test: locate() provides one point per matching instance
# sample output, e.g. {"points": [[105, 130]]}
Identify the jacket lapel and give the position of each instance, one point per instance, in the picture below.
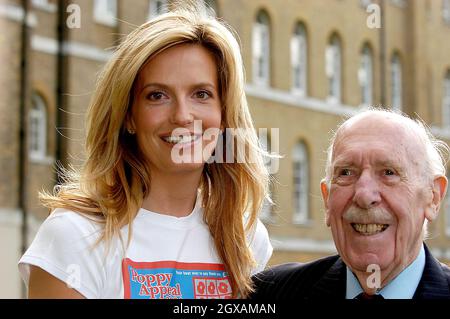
{"points": [[433, 284], [332, 283]]}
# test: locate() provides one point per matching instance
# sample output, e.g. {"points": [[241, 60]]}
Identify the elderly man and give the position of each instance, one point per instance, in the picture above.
{"points": [[385, 179]]}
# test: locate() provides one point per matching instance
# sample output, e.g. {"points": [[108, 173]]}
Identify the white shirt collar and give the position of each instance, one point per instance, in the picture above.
{"points": [[401, 287]]}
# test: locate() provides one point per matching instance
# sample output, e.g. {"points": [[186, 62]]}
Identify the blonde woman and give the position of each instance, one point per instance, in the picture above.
{"points": [[145, 218]]}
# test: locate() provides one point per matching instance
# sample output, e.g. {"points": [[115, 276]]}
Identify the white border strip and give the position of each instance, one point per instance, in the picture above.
{"points": [[441, 253], [86, 51], [44, 44], [11, 217], [292, 244], [440, 132], [33, 225], [44, 5], [288, 98], [302, 245], [16, 13], [75, 49], [283, 97]]}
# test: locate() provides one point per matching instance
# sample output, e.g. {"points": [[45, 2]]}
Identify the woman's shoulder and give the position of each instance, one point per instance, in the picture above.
{"points": [[260, 245], [258, 231], [69, 224], [62, 215]]}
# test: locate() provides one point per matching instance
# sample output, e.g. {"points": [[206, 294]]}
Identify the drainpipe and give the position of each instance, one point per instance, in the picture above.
{"points": [[23, 154], [60, 85], [382, 39]]}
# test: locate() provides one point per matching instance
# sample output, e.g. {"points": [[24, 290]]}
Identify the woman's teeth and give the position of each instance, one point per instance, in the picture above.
{"points": [[369, 229], [183, 139]]}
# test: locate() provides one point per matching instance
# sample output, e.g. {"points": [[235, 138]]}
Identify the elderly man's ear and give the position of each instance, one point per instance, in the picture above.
{"points": [[324, 191], [437, 192]]}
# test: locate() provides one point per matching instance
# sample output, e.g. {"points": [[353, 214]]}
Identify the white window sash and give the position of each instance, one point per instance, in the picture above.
{"points": [[365, 78], [396, 78], [298, 63], [329, 61], [295, 51], [156, 8], [260, 46], [266, 210], [105, 12], [446, 103], [38, 131], [446, 10], [301, 185], [447, 216]]}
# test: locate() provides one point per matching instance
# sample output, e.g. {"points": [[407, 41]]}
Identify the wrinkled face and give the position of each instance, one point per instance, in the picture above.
{"points": [[176, 101], [378, 198]]}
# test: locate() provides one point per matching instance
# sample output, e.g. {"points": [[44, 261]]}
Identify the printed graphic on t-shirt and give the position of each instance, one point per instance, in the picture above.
{"points": [[174, 280]]}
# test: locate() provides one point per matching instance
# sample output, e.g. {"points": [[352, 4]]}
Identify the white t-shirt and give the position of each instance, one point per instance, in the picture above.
{"points": [[168, 257]]}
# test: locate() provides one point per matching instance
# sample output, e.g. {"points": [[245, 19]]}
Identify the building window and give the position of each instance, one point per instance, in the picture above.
{"points": [[261, 49], [396, 83], [333, 69], [299, 60], [105, 12], [37, 129], [266, 210], [365, 3], [301, 183], [399, 3], [447, 222], [365, 76], [45, 5], [157, 7], [447, 214], [446, 11], [446, 101]]}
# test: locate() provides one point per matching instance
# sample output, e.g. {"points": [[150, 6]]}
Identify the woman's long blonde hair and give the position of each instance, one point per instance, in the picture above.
{"points": [[114, 179]]}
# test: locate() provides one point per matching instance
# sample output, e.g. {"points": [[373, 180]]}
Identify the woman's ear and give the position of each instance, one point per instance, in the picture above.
{"points": [[130, 127], [438, 191]]}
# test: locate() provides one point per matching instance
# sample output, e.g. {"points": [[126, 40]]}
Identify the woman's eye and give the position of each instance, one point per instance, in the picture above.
{"points": [[203, 95], [155, 96], [389, 172]]}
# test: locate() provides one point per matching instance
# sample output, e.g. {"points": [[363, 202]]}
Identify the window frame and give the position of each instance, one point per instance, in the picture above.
{"points": [[37, 126], [153, 8], [103, 13], [266, 213], [333, 69], [446, 101], [301, 203], [45, 5], [446, 11], [299, 60], [365, 76], [261, 49], [396, 81]]}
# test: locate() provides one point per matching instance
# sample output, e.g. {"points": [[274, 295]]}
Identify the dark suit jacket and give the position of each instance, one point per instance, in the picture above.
{"points": [[326, 278]]}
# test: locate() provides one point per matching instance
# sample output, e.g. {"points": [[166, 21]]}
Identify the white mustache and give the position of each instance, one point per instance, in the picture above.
{"points": [[376, 215]]}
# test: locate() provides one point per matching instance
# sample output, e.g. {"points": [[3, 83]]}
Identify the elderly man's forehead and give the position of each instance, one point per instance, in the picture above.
{"points": [[376, 123], [389, 126]]}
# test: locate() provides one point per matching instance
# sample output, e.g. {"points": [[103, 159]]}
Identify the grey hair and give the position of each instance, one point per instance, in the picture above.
{"points": [[436, 151]]}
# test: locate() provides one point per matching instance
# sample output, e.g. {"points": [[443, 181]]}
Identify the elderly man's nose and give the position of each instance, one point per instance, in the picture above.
{"points": [[367, 193]]}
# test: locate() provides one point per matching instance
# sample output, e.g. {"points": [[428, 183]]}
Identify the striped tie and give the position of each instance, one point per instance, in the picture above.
{"points": [[364, 296]]}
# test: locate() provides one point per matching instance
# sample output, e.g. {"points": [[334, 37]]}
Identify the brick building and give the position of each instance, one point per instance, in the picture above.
{"points": [[309, 65]]}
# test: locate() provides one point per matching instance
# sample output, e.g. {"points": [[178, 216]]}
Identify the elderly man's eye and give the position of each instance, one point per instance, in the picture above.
{"points": [[389, 172], [345, 172]]}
